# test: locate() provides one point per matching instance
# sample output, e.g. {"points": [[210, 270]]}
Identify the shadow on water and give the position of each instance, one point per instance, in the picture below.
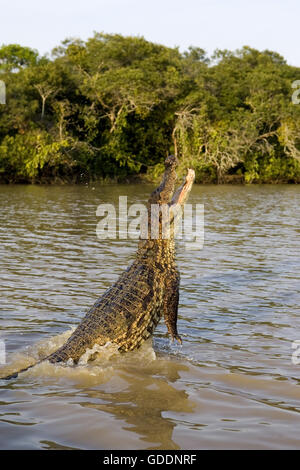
{"points": [[141, 407]]}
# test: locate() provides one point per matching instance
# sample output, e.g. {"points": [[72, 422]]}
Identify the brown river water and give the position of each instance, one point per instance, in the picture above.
{"points": [[235, 380]]}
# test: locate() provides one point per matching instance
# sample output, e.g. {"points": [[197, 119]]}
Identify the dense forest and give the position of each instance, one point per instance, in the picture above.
{"points": [[113, 107]]}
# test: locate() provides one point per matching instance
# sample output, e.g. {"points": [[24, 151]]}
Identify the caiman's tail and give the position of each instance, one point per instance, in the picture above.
{"points": [[14, 375], [54, 357]]}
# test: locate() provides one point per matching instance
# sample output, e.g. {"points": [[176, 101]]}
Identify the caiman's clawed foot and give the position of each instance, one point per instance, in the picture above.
{"points": [[178, 338]]}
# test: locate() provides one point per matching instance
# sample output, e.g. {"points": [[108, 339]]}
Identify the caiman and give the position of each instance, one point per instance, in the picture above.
{"points": [[128, 312]]}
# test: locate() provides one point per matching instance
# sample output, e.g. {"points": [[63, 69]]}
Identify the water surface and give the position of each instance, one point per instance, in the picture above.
{"points": [[232, 383]]}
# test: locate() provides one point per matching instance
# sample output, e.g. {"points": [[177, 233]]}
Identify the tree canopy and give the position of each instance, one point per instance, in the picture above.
{"points": [[114, 107]]}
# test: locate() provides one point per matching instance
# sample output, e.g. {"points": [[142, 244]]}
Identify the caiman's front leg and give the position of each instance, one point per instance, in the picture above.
{"points": [[170, 305], [171, 299]]}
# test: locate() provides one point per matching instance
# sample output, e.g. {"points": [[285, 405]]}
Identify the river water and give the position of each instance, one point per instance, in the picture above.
{"points": [[234, 382]]}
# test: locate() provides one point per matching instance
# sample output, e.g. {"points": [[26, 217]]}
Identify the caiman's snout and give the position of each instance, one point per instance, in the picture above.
{"points": [[165, 191], [170, 161]]}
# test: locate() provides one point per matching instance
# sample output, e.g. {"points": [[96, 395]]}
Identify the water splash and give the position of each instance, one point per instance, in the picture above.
{"points": [[97, 361]]}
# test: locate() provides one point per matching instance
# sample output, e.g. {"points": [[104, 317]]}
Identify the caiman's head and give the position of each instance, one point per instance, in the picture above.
{"points": [[164, 194], [164, 204]]}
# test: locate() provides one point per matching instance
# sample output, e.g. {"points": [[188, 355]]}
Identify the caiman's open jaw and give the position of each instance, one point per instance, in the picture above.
{"points": [[189, 180], [182, 193]]}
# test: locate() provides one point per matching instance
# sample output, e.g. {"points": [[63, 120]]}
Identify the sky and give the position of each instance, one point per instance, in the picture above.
{"points": [[209, 24]]}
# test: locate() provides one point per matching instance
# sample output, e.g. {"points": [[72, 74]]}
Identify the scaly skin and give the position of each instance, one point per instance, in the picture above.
{"points": [[128, 312]]}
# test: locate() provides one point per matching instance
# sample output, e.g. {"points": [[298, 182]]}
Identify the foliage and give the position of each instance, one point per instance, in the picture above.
{"points": [[114, 107]]}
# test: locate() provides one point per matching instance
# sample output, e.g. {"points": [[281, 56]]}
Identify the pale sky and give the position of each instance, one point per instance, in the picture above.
{"points": [[210, 24]]}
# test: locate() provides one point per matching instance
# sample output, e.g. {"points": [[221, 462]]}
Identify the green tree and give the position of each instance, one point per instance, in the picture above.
{"points": [[14, 57]]}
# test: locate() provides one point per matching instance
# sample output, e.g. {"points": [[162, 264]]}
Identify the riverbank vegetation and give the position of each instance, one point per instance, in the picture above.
{"points": [[113, 107]]}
